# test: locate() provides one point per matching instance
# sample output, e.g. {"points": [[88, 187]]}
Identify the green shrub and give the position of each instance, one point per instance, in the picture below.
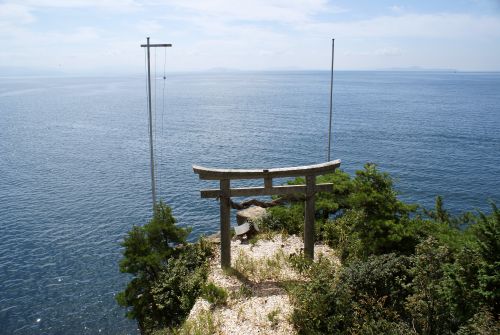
{"points": [[333, 302], [341, 234], [354, 236], [373, 192], [488, 235], [180, 282], [459, 287], [386, 226], [214, 294], [482, 323], [315, 308], [167, 273], [299, 262], [440, 215], [146, 248], [446, 289], [330, 203], [427, 306], [288, 219], [383, 326]]}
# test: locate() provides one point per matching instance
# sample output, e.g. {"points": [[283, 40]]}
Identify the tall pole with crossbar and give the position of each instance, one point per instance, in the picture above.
{"points": [[151, 151], [331, 105]]}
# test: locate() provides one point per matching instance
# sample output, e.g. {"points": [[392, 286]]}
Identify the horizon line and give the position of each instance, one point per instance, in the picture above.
{"points": [[55, 73]]}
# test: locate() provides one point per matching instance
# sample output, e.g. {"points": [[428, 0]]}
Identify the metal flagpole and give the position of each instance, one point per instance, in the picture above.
{"points": [[331, 105], [152, 165]]}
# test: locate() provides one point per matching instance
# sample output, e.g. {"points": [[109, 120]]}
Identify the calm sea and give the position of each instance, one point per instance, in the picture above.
{"points": [[74, 169]]}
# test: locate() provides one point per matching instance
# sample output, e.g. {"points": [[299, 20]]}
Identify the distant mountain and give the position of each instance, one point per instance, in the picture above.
{"points": [[417, 68], [221, 69], [12, 71]]}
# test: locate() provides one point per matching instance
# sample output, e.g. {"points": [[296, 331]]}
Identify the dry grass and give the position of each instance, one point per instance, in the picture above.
{"points": [[205, 323], [262, 269]]}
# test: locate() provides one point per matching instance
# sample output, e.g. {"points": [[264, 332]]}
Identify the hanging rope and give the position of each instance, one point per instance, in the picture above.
{"points": [[162, 148], [158, 177], [146, 83]]}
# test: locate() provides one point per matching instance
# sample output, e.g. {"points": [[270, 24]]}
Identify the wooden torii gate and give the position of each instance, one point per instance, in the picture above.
{"points": [[225, 192]]}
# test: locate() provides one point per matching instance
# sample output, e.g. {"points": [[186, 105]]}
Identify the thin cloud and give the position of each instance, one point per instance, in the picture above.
{"points": [[277, 11], [389, 51], [11, 13], [120, 5], [396, 8], [411, 25]]}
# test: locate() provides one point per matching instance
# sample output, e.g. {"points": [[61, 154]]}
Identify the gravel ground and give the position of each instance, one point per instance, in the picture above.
{"points": [[257, 304]]}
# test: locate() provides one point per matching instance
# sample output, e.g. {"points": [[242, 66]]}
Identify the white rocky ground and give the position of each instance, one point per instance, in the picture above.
{"points": [[256, 304]]}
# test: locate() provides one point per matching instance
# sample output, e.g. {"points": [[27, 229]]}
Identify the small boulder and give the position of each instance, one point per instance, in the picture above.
{"points": [[248, 218]]}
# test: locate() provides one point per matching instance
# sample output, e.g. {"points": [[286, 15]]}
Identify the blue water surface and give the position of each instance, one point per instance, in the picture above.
{"points": [[74, 164]]}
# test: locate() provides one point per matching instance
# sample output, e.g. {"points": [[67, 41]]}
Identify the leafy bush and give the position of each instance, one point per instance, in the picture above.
{"points": [[434, 291], [384, 227], [488, 235], [180, 282], [167, 273], [365, 296], [315, 309], [429, 310], [482, 323], [440, 215], [329, 204], [288, 219], [146, 248], [459, 286], [341, 234], [373, 192], [387, 227]]}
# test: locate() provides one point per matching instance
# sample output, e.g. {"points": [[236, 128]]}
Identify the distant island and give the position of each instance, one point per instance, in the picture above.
{"points": [[418, 69]]}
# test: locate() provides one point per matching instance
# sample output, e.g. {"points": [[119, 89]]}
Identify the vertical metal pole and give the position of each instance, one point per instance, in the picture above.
{"points": [[309, 217], [225, 224], [152, 163], [331, 103]]}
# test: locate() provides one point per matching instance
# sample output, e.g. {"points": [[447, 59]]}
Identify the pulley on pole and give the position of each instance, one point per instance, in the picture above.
{"points": [[151, 145]]}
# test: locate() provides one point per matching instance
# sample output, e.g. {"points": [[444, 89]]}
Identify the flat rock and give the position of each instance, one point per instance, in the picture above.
{"points": [[250, 214], [242, 229]]}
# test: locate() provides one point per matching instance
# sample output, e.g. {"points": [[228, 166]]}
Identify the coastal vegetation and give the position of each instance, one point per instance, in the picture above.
{"points": [[404, 269], [168, 273]]}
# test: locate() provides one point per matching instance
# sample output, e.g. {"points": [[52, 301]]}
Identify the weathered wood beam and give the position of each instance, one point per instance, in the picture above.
{"points": [[225, 224], [258, 191], [297, 171], [156, 45], [309, 218]]}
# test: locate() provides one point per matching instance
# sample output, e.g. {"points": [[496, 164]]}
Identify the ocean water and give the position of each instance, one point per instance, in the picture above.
{"points": [[74, 169]]}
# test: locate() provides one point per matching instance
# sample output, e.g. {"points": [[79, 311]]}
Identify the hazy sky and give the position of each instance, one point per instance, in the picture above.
{"points": [[104, 35]]}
